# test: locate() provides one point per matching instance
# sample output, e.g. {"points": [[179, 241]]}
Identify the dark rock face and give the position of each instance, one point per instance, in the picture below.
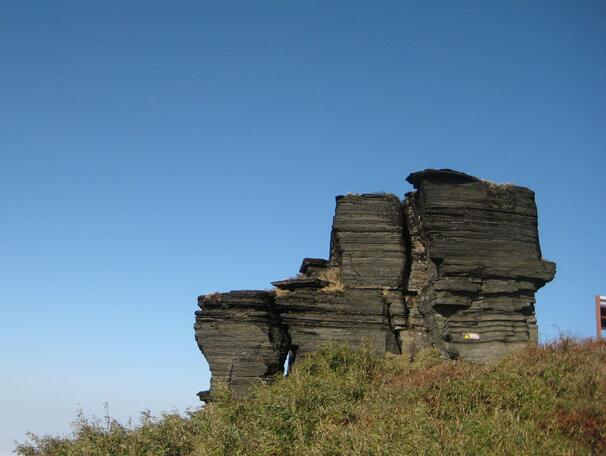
{"points": [[316, 317], [455, 265], [241, 337], [478, 263], [368, 241]]}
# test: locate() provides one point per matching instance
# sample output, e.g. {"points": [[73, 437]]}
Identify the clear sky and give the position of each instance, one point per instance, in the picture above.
{"points": [[153, 151]]}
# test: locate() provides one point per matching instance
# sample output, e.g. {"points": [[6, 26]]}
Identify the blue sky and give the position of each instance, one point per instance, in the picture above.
{"points": [[153, 151]]}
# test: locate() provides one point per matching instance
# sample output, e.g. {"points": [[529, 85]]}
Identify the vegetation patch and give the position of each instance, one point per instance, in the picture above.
{"points": [[548, 399]]}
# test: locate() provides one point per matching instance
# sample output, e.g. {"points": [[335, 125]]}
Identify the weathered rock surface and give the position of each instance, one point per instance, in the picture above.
{"points": [[314, 318], [368, 241], [241, 337], [455, 265], [480, 264]]}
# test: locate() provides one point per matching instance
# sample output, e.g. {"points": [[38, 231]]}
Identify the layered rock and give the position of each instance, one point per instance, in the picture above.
{"points": [[477, 265], [350, 302], [455, 265], [241, 337], [367, 242], [314, 318]]}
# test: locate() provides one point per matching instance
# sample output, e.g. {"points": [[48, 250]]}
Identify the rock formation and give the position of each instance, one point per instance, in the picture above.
{"points": [[455, 265], [241, 336]]}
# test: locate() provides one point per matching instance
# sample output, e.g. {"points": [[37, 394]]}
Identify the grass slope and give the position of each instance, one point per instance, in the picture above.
{"points": [[548, 399]]}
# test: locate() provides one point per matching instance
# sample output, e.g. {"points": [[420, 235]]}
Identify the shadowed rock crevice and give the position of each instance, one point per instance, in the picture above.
{"points": [[455, 265]]}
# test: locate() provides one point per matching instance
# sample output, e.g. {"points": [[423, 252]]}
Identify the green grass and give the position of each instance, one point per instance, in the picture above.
{"points": [[548, 399]]}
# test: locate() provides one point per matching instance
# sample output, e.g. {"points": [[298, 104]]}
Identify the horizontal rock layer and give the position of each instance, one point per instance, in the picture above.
{"points": [[479, 265], [241, 337], [352, 316], [368, 241]]}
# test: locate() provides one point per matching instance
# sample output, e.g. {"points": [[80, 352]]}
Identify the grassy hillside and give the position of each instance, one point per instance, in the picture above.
{"points": [[545, 400]]}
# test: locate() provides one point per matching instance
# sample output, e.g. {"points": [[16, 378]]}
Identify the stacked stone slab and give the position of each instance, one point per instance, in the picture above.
{"points": [[241, 337], [477, 265], [368, 241], [314, 318], [350, 303], [454, 265]]}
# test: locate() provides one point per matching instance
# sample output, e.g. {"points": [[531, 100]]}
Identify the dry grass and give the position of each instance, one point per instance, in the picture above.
{"points": [[495, 186], [333, 288], [279, 292], [331, 275]]}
